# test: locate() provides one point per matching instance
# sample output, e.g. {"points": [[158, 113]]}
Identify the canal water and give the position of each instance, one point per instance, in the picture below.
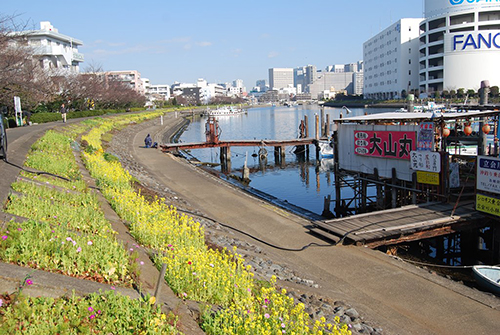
{"points": [[301, 183]]}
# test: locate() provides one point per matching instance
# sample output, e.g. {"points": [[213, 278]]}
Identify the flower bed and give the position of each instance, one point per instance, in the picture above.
{"points": [[99, 313], [193, 270], [67, 232]]}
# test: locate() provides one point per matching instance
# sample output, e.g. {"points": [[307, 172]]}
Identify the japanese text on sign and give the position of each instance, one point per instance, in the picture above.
{"points": [[386, 144], [426, 136], [424, 177], [488, 204], [488, 174], [425, 161]]}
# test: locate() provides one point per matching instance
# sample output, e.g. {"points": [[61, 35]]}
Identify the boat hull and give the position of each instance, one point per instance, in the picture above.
{"points": [[488, 277]]}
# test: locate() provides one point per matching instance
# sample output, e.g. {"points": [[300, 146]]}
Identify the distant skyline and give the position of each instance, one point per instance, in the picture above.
{"points": [[219, 41]]}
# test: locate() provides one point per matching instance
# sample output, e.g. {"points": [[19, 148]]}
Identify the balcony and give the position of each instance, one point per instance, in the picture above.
{"points": [[78, 57]]}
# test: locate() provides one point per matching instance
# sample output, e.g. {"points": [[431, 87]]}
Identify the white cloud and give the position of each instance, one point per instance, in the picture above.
{"points": [[204, 44], [272, 54]]}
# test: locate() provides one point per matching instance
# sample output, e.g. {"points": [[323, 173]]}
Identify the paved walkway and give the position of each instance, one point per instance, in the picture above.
{"points": [[398, 297]]}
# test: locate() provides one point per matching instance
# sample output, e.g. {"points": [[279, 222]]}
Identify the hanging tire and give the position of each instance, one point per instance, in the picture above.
{"points": [[262, 153]]}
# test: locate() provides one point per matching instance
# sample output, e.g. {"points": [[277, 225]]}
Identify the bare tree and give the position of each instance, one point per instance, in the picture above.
{"points": [[20, 74]]}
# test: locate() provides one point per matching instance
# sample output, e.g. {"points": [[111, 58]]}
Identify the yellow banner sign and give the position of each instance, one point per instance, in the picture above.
{"points": [[488, 204], [431, 178]]}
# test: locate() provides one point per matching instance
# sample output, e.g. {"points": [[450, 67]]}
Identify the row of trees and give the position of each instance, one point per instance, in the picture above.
{"points": [[21, 75], [461, 93]]}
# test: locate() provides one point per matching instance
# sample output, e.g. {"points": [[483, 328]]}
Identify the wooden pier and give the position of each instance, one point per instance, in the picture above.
{"points": [[398, 225], [235, 143]]}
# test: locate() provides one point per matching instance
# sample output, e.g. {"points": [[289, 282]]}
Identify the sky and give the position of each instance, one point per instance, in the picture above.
{"points": [[219, 41]]}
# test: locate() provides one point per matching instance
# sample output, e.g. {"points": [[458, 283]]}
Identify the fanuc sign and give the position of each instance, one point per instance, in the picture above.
{"points": [[464, 2], [442, 7], [472, 41]]}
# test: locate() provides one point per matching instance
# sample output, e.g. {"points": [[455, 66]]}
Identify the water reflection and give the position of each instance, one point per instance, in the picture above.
{"points": [[285, 177]]}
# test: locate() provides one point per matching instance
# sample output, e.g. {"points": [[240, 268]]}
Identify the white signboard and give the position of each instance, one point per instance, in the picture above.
{"points": [[18, 110], [488, 174], [429, 161]]}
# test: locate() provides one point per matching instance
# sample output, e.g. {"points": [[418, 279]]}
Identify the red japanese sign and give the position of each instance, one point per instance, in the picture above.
{"points": [[386, 144]]}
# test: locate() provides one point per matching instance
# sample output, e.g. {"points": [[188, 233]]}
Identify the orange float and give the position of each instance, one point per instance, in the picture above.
{"points": [[486, 128]]}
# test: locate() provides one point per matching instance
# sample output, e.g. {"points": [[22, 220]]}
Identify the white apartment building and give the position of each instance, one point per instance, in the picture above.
{"points": [[280, 78], [459, 45], [161, 90], [391, 60], [56, 52]]}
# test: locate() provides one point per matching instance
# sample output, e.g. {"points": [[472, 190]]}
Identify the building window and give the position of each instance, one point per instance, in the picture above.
{"points": [[409, 61]]}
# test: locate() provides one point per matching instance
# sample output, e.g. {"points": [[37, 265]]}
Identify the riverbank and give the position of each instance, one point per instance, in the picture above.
{"points": [[299, 286], [394, 296]]}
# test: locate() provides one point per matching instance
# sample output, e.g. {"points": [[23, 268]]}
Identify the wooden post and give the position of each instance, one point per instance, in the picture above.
{"points": [[326, 207], [336, 169], [414, 186], [225, 159], [306, 129], [380, 198], [327, 125], [393, 189], [306, 126], [364, 188], [322, 133], [277, 156], [316, 127]]}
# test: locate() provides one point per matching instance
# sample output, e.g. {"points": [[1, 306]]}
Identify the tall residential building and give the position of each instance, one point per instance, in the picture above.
{"points": [[459, 45], [130, 78], [56, 52], [280, 78], [261, 84], [391, 60]]}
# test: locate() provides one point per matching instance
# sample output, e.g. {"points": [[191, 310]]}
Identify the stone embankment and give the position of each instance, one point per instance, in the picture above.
{"points": [[297, 284]]}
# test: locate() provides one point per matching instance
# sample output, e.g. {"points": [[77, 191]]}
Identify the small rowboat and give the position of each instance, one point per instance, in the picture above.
{"points": [[488, 277]]}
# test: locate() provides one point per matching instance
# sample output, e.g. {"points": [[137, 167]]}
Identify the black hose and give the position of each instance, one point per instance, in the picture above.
{"points": [[312, 244]]}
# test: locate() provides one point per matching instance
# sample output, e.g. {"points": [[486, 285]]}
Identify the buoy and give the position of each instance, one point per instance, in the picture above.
{"points": [[446, 132], [467, 130], [486, 129]]}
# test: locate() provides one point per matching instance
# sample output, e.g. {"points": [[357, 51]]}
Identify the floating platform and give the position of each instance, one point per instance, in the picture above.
{"points": [[398, 225]]}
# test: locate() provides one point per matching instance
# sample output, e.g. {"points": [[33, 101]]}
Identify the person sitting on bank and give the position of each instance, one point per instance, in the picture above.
{"points": [[148, 141]]}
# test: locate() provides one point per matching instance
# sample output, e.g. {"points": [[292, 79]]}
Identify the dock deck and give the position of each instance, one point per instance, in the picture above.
{"points": [[236, 143], [404, 224]]}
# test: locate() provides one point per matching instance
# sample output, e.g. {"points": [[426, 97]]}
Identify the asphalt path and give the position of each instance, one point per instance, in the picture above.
{"points": [[397, 296]]}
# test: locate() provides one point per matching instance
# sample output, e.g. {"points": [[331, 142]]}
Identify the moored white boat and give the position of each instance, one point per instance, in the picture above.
{"points": [[488, 277], [325, 149], [225, 111]]}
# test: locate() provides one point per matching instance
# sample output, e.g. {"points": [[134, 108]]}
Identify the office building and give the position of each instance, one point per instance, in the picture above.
{"points": [[280, 78], [391, 61]]}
